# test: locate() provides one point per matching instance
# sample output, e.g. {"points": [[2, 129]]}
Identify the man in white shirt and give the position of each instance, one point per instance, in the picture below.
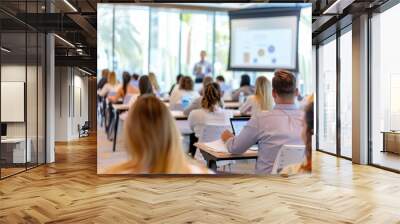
{"points": [[202, 68], [271, 129]]}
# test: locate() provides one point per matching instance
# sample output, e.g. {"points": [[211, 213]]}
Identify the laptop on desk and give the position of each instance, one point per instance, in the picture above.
{"points": [[237, 124]]}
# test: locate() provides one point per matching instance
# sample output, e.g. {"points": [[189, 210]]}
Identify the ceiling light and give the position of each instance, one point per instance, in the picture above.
{"points": [[70, 5], [65, 41], [84, 71], [337, 7], [5, 50]]}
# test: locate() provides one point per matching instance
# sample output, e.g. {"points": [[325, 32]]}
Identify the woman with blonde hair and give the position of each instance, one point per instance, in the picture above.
{"points": [[125, 91], [153, 142], [154, 82], [111, 87], [261, 100]]}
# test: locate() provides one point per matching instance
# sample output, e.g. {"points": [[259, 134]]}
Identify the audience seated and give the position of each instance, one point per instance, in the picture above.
{"points": [[154, 83], [175, 85], [245, 88], [196, 103], [126, 91], [224, 87], [261, 100], [103, 80], [111, 87], [145, 88], [182, 97], [153, 142], [211, 111], [205, 82], [135, 80], [271, 129]]}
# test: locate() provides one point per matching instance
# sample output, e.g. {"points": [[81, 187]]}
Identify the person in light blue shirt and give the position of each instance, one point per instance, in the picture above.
{"points": [[202, 68], [271, 130], [135, 80]]}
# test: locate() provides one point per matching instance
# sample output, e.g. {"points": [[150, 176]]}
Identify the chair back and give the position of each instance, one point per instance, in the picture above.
{"points": [[288, 155]]}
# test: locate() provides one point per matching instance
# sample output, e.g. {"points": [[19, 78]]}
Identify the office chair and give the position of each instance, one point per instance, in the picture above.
{"points": [[288, 155]]}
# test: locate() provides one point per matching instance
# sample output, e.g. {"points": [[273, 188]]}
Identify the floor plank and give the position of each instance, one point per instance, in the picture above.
{"points": [[70, 191]]}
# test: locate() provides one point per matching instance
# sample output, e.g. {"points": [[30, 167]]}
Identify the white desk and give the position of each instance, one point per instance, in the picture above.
{"points": [[19, 155]]}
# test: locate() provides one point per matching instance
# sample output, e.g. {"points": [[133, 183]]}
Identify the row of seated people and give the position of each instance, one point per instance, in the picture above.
{"points": [[155, 145]]}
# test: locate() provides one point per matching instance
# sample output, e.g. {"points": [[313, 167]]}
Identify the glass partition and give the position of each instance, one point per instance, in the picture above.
{"points": [[164, 48], [22, 69]]}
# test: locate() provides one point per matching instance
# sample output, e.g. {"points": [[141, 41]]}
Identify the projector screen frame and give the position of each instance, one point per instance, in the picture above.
{"points": [[261, 13]]}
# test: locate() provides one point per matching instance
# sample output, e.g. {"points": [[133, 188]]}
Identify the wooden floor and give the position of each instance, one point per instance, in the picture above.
{"points": [[70, 191]]}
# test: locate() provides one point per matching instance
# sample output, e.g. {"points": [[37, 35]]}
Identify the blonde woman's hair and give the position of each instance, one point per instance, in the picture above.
{"points": [[153, 140], [153, 80], [112, 78], [263, 93]]}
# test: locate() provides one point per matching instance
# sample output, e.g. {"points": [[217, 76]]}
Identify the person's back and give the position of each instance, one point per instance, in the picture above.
{"points": [[200, 117], [153, 142], [261, 100], [280, 126], [273, 129]]}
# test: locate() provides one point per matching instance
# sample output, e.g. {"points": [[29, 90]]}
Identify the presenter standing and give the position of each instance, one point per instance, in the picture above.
{"points": [[202, 68]]}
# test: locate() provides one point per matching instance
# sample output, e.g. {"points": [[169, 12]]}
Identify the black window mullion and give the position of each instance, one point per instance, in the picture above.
{"points": [[338, 95]]}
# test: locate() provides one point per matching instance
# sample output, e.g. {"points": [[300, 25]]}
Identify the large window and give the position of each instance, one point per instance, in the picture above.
{"points": [[327, 97], [168, 41], [385, 84]]}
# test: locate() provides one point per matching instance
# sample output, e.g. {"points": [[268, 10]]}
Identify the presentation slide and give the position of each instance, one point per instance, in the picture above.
{"points": [[264, 43]]}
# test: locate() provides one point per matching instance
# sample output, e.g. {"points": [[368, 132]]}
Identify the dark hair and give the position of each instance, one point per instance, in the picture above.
{"points": [[178, 78], [135, 76], [145, 86], [284, 83], [126, 78], [211, 96], [186, 83], [244, 80], [220, 78]]}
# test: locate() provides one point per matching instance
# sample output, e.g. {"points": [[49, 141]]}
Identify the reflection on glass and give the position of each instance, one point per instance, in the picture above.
{"points": [[386, 89], [327, 97], [346, 94]]}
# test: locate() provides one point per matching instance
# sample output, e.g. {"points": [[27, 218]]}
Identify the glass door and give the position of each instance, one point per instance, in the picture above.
{"points": [[326, 98]]}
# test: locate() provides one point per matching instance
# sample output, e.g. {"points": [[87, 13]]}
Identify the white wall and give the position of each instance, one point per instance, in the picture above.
{"points": [[71, 102]]}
